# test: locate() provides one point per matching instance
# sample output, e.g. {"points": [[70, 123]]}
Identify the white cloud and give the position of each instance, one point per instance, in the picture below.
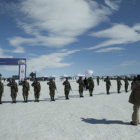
{"points": [[19, 50], [2, 55], [56, 23], [118, 34], [128, 63], [136, 27], [109, 49], [50, 60], [114, 4]]}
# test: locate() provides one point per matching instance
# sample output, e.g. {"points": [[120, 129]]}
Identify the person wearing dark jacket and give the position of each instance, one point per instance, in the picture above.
{"points": [[81, 86], [67, 89], [135, 100], [1, 90], [86, 83]]}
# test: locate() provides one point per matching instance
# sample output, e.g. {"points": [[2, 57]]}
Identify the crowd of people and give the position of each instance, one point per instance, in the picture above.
{"points": [[87, 84]]}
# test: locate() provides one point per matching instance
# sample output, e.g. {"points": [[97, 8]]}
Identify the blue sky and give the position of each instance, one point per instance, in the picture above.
{"points": [[71, 36]]}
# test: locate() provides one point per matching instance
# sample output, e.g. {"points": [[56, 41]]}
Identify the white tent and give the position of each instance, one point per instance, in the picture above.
{"points": [[80, 75], [89, 73]]}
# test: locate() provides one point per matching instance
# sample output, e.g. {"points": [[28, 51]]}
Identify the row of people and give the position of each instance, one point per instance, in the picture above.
{"points": [[119, 84], [52, 87]]}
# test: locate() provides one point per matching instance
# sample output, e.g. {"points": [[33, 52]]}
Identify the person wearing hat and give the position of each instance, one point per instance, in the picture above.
{"points": [[135, 100], [52, 88], [25, 89], [81, 86], [67, 88], [1, 90], [90, 85], [108, 84], [37, 88], [118, 84], [126, 84], [14, 90]]}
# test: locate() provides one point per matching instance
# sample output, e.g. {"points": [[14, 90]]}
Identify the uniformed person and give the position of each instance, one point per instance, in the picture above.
{"points": [[118, 84], [25, 89], [81, 86], [126, 84], [135, 100], [86, 83], [108, 84], [52, 88], [67, 88], [14, 89], [91, 85], [37, 88], [98, 80], [1, 90]]}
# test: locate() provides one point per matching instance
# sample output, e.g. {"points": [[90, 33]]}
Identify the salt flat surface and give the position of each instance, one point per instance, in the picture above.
{"points": [[101, 117]]}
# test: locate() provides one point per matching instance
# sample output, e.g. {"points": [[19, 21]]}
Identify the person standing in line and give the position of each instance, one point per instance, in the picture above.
{"points": [[52, 88], [91, 85], [67, 88], [126, 84], [135, 100], [108, 84], [14, 90], [118, 84], [81, 86], [25, 90], [37, 89]]}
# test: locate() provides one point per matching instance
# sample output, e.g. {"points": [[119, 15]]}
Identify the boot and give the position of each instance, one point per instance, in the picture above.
{"points": [[26, 100], [66, 97], [133, 123], [12, 100], [53, 99], [15, 100], [37, 99], [90, 94]]}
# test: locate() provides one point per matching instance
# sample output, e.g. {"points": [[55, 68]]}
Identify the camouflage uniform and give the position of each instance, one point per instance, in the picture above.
{"points": [[81, 86], [118, 84], [108, 84], [52, 88], [67, 88], [135, 100], [25, 90], [91, 85], [37, 89], [98, 80], [1, 90], [126, 84], [14, 90]]}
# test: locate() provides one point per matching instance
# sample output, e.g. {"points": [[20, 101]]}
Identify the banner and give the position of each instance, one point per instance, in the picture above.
{"points": [[22, 72], [12, 61]]}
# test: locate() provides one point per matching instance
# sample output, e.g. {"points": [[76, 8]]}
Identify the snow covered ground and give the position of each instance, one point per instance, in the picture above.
{"points": [[101, 117]]}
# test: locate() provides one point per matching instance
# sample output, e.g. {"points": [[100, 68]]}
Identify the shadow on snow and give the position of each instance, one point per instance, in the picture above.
{"points": [[103, 121]]}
